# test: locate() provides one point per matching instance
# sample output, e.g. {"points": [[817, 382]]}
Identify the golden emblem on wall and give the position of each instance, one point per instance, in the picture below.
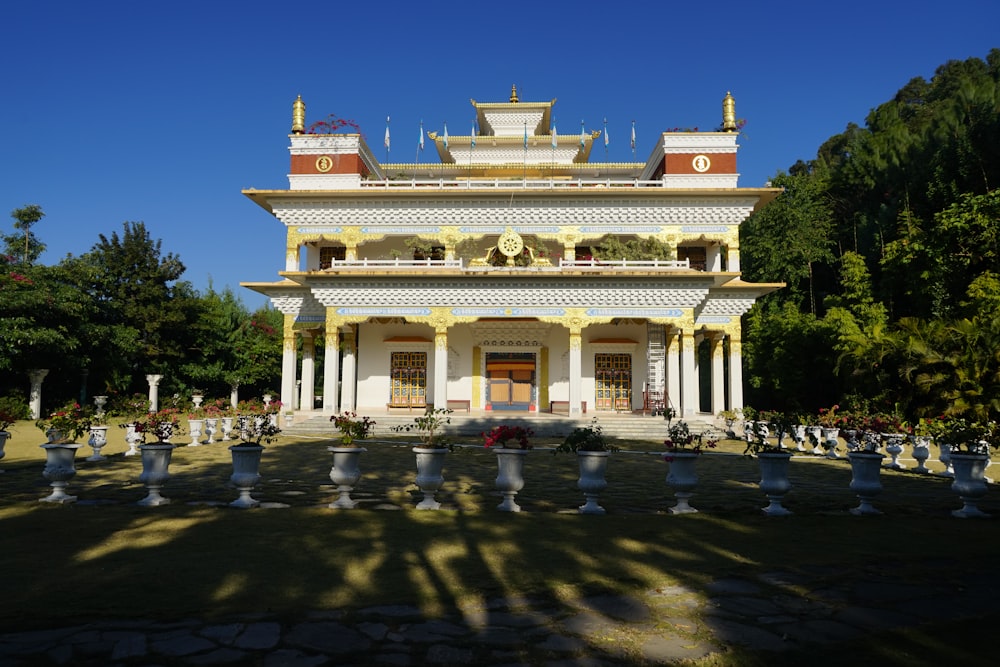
{"points": [[701, 163], [510, 244], [324, 163]]}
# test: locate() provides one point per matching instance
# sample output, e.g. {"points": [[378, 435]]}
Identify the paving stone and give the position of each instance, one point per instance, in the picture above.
{"points": [[866, 618], [127, 644], [516, 620], [500, 637], [886, 591], [393, 611], [617, 606], [293, 658], [327, 637], [585, 624], [398, 659], [821, 630], [376, 631], [220, 656], [561, 644], [185, 644], [663, 649], [745, 606], [733, 586], [448, 655], [224, 634], [257, 636], [733, 632]]}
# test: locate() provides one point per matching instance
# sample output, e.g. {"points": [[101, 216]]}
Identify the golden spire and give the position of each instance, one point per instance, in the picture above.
{"points": [[298, 116], [728, 113], [513, 95]]}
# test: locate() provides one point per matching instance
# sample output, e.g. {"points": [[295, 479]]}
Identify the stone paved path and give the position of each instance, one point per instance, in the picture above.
{"points": [[777, 611]]}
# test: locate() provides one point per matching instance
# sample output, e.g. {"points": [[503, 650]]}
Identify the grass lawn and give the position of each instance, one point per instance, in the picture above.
{"points": [[104, 557]]}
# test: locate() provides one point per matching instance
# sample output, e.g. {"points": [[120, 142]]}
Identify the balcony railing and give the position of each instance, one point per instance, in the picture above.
{"points": [[591, 264], [507, 184]]}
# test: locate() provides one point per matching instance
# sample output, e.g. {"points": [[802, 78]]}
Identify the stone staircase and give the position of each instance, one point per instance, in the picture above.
{"points": [[618, 426]]}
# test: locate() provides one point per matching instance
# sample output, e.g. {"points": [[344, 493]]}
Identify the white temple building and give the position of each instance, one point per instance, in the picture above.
{"points": [[479, 283]]}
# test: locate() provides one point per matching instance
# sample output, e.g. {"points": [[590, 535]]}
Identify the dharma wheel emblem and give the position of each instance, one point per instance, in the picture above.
{"points": [[510, 243]]}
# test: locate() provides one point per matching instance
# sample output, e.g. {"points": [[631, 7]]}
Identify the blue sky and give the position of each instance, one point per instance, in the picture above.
{"points": [[161, 112]]}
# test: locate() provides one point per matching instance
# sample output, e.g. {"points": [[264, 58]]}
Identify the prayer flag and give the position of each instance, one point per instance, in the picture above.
{"points": [[473, 134], [421, 141], [446, 135], [633, 135], [555, 138], [387, 133]]}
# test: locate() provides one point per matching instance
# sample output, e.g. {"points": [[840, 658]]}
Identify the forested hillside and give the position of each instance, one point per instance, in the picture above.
{"points": [[889, 242]]}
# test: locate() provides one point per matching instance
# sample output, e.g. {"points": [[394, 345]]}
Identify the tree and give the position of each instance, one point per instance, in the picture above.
{"points": [[143, 309], [24, 245]]}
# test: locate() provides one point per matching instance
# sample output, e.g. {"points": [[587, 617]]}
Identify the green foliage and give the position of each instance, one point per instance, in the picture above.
{"points": [[24, 246], [615, 248], [428, 427], [589, 438]]}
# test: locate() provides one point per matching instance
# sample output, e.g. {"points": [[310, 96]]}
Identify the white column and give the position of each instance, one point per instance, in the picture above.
{"points": [[575, 371], [289, 364], [292, 259], [308, 392], [441, 368], [154, 392], [331, 366], [348, 398], [36, 376], [234, 393], [735, 372], [689, 376], [713, 258], [672, 355], [718, 374], [733, 260]]}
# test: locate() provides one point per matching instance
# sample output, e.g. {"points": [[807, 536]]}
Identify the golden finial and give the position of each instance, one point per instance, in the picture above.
{"points": [[728, 113], [298, 116], [513, 95]]}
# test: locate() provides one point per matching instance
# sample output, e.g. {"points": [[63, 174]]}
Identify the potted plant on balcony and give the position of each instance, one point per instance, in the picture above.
{"points": [[346, 471], [512, 444], [430, 453], [683, 450], [253, 431], [593, 451]]}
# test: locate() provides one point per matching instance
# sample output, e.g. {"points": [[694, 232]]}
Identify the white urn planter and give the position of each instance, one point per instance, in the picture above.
{"points": [[430, 477], [774, 480], [211, 428], [944, 456], [799, 436], [683, 478], [815, 434], [59, 469], [98, 438], [865, 482], [921, 452], [894, 447], [194, 428], [593, 479], [345, 473], [510, 476], [246, 473], [155, 472], [830, 442], [4, 436], [227, 428], [132, 439], [970, 483]]}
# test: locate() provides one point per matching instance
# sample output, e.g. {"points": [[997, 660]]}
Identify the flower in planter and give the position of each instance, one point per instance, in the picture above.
{"points": [[160, 425], [428, 427], [71, 421], [681, 440], [965, 436], [255, 429], [588, 438], [508, 437], [829, 417], [758, 438], [352, 428]]}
